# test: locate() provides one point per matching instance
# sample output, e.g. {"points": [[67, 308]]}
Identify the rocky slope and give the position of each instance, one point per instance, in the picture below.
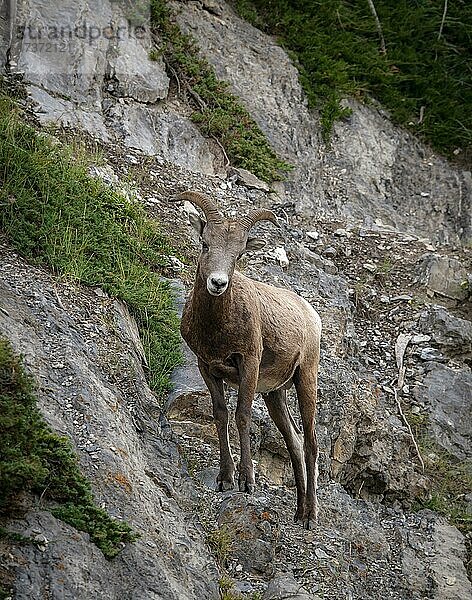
{"points": [[375, 230], [83, 350]]}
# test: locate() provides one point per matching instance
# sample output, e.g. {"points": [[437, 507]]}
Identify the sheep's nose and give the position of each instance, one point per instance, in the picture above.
{"points": [[218, 282]]}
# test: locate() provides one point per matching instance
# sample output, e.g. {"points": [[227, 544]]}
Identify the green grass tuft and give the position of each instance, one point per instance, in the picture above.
{"points": [[336, 47], [34, 459], [55, 214], [451, 481], [218, 113], [220, 542], [4, 593]]}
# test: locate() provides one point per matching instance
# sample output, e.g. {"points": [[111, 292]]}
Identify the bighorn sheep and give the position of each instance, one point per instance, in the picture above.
{"points": [[256, 338]]}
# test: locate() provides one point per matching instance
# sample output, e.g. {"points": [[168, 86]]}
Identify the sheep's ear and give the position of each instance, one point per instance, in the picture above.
{"points": [[197, 223], [255, 244]]}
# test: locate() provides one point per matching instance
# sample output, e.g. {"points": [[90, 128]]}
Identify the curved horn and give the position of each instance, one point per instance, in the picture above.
{"points": [[211, 212], [258, 214]]}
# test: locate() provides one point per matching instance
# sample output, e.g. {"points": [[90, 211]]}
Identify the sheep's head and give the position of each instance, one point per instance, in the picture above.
{"points": [[224, 241]]}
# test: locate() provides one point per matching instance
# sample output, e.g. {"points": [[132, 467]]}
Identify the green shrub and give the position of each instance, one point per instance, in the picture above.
{"points": [[109, 535], [21, 427], [34, 459], [423, 79]]}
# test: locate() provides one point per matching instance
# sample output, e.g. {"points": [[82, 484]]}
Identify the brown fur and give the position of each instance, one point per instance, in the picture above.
{"points": [[256, 338]]}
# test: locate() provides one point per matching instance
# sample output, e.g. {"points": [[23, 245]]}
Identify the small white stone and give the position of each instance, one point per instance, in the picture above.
{"points": [[281, 257], [320, 553], [419, 339], [430, 354], [370, 267], [402, 298]]}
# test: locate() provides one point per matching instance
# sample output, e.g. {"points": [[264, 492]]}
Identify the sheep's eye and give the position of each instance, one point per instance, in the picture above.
{"points": [[205, 247]]}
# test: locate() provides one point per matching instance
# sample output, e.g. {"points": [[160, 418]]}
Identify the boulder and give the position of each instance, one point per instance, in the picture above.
{"points": [[249, 180], [446, 394], [253, 529], [444, 276], [451, 333], [284, 585]]}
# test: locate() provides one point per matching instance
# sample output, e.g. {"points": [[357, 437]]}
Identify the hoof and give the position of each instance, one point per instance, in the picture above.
{"points": [[309, 524], [246, 486], [224, 483], [298, 516], [308, 518], [225, 486]]}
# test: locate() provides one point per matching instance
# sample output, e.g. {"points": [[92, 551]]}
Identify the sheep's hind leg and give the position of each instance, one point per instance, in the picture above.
{"points": [[278, 410], [225, 479], [305, 380]]}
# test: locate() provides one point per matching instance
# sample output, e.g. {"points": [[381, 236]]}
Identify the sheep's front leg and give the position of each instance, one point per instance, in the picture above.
{"points": [[248, 375], [225, 479]]}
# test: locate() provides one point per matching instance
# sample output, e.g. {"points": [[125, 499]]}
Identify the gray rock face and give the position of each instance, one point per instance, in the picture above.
{"points": [[449, 558], [87, 66], [374, 170], [444, 276], [91, 386], [383, 172], [262, 75], [447, 393], [450, 332], [74, 48], [370, 452], [423, 547]]}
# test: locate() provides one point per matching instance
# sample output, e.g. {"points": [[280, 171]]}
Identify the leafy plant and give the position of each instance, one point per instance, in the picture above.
{"points": [[424, 78], [4, 593], [35, 459]]}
